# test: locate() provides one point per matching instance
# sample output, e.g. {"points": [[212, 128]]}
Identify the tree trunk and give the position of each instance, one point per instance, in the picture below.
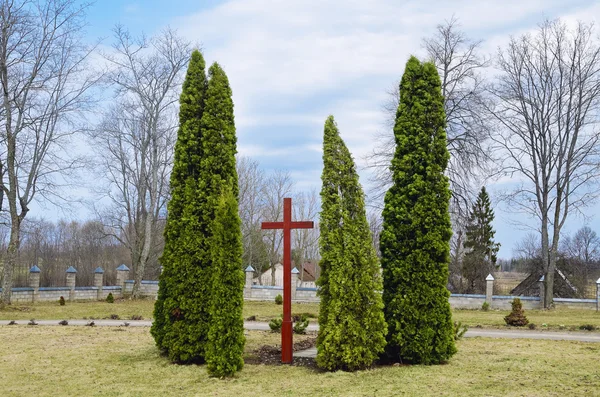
{"points": [[11, 259]]}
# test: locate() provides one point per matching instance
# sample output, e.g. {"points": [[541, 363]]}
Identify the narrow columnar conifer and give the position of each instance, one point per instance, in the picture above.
{"points": [[414, 243], [225, 348], [351, 324], [179, 327]]}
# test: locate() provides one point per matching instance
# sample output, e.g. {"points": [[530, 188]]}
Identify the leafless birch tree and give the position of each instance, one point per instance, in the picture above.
{"points": [[135, 140], [45, 79], [546, 101]]}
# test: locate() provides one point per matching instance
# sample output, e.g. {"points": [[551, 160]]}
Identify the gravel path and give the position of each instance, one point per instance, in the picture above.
{"points": [[262, 326]]}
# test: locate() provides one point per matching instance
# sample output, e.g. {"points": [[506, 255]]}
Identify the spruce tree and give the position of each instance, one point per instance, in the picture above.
{"points": [[351, 323], [415, 241], [225, 348], [178, 305], [480, 257]]}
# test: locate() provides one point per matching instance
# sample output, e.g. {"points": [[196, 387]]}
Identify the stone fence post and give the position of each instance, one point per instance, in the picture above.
{"points": [[71, 276], [295, 273], [489, 289], [248, 286], [122, 275], [99, 281], [34, 282], [598, 294], [542, 284]]}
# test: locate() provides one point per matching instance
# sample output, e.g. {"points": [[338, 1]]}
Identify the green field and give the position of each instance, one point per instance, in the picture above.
{"points": [[566, 319], [85, 361]]}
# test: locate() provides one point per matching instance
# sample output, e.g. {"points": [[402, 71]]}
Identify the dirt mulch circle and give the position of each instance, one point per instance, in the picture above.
{"points": [[271, 355]]}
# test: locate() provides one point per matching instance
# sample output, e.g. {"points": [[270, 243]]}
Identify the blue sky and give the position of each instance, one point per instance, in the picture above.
{"points": [[292, 63]]}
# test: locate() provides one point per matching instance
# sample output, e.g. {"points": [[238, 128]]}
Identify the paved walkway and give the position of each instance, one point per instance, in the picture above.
{"points": [[262, 326]]}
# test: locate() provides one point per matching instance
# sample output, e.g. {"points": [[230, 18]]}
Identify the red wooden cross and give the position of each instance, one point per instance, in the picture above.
{"points": [[287, 225]]}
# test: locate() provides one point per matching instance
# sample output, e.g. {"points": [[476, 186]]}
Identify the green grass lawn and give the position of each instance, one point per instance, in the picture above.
{"points": [[569, 319], [48, 361]]}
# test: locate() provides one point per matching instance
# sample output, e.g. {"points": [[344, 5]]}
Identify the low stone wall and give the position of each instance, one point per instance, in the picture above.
{"points": [[53, 294], [148, 288]]}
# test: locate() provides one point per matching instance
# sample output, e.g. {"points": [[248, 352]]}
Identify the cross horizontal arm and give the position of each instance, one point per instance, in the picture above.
{"points": [[272, 225], [303, 225]]}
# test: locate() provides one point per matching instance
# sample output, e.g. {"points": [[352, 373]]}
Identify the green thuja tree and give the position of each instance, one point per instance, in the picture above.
{"points": [[180, 312], [415, 241], [481, 250], [225, 348], [351, 324]]}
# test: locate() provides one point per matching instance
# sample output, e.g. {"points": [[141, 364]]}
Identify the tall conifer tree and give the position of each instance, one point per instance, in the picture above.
{"points": [[351, 324], [415, 241], [480, 258], [224, 354], [175, 328], [205, 162]]}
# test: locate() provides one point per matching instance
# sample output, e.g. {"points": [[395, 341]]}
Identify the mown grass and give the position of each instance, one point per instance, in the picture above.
{"points": [[558, 319], [48, 361]]}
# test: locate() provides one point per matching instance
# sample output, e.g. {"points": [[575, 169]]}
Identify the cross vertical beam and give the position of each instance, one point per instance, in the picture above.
{"points": [[287, 225]]}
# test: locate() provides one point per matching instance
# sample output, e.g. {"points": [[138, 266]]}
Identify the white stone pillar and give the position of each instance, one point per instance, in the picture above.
{"points": [[489, 289], [99, 281], [34, 282], [295, 273], [248, 286], [598, 294], [71, 276], [122, 276], [542, 284]]}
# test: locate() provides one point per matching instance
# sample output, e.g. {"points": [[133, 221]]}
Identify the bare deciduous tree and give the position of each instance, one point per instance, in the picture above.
{"points": [[277, 186], [136, 138], [305, 242], [251, 181], [546, 102], [459, 64], [45, 79]]}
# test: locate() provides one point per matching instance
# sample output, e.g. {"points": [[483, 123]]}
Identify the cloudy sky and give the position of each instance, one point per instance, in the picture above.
{"points": [[291, 63]]}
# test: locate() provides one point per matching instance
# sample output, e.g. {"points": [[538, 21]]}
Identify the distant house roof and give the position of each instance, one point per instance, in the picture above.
{"points": [[308, 271]]}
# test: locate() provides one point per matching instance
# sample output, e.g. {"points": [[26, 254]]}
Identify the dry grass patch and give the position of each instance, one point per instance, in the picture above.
{"points": [[48, 361]]}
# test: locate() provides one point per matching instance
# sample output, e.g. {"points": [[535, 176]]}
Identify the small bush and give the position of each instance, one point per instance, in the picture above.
{"points": [[532, 326], [251, 318], [587, 327], [12, 322], [516, 318], [91, 324], [485, 307], [300, 325], [110, 298], [279, 299], [136, 317], [275, 324], [63, 322], [459, 330], [61, 301]]}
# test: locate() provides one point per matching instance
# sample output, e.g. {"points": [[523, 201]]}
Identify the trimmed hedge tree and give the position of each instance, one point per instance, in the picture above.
{"points": [[225, 349], [416, 232], [351, 323], [180, 326]]}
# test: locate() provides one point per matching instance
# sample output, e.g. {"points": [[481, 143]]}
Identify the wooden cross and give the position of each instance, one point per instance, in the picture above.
{"points": [[287, 225]]}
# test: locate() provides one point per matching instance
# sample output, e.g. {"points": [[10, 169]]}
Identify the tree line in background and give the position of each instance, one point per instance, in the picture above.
{"points": [[528, 113]]}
